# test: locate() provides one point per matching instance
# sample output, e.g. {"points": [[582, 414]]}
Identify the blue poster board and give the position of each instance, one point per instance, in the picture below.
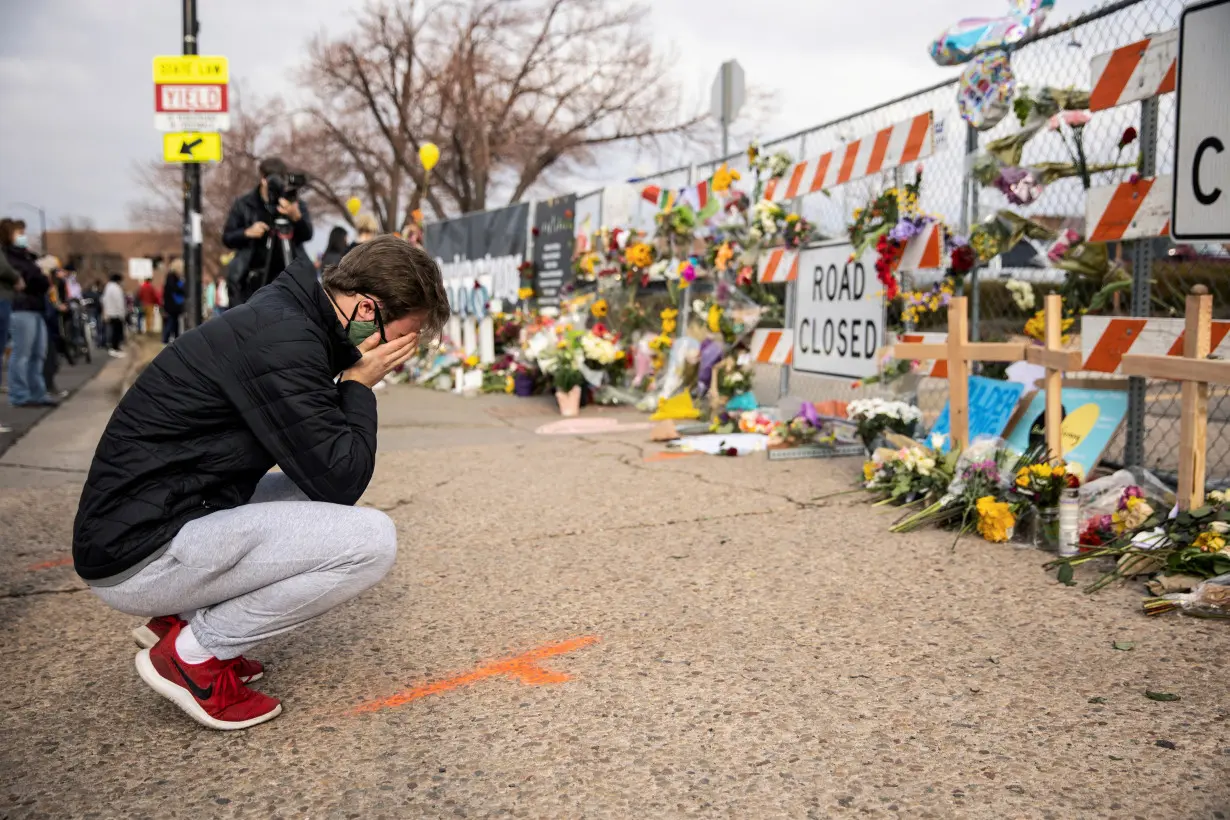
{"points": [[991, 405], [1090, 419]]}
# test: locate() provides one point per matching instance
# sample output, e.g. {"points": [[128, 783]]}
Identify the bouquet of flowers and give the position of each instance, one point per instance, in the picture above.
{"points": [[875, 417], [1188, 543], [804, 428], [908, 472], [977, 497], [1042, 484]]}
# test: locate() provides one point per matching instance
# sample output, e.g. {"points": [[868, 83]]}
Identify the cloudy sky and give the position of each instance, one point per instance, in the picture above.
{"points": [[78, 96]]}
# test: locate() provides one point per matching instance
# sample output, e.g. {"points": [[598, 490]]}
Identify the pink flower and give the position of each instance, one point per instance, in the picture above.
{"points": [[1073, 119]]}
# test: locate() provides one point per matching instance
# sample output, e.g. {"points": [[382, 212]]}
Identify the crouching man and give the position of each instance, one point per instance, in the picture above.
{"points": [[181, 520]]}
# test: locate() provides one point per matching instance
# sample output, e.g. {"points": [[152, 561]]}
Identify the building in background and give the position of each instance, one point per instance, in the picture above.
{"points": [[98, 254]]}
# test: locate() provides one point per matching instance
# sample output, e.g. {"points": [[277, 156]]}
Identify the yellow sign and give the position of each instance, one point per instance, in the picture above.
{"points": [[191, 147], [190, 69]]}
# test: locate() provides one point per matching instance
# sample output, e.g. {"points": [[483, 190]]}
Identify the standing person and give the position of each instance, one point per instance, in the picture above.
{"points": [[222, 300], [179, 513], [28, 326], [53, 315], [174, 298], [251, 230], [208, 294], [10, 284], [367, 227], [338, 245], [114, 308], [147, 301]]}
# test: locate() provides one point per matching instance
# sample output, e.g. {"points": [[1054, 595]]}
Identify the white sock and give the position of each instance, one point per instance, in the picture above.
{"points": [[189, 649]]}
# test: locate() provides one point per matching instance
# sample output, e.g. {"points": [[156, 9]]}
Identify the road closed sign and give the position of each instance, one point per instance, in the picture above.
{"points": [[839, 318], [1201, 209]]}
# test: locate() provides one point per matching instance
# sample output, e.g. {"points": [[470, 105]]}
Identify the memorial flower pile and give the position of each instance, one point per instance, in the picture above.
{"points": [[876, 417], [1170, 542], [1042, 484]]}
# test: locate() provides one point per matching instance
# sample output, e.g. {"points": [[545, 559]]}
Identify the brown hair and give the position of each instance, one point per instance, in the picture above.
{"points": [[402, 277], [7, 229]]}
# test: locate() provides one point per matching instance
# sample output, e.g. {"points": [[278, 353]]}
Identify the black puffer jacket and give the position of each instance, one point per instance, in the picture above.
{"points": [[245, 273], [215, 411], [33, 298]]}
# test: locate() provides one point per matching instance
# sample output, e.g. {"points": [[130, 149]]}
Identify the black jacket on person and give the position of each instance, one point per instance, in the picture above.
{"points": [[212, 413], [34, 297], [244, 274]]}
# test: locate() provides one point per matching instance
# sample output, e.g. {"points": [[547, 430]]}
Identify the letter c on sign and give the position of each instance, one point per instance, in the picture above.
{"points": [[1211, 143]]}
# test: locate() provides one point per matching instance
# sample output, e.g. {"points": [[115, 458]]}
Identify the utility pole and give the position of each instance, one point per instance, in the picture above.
{"points": [[192, 196]]}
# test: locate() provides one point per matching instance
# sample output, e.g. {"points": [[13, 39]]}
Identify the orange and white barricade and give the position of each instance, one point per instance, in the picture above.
{"points": [[1134, 72], [1129, 210], [774, 346]]}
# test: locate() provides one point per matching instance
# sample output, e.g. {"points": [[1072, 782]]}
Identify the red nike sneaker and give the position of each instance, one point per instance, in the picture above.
{"points": [[149, 634], [209, 692]]}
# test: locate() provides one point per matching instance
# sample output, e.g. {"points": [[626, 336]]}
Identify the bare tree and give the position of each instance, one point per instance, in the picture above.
{"points": [[512, 91]]}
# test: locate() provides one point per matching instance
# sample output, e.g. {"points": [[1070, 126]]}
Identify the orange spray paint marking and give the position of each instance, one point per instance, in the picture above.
{"points": [[59, 562], [670, 456], [523, 668]]}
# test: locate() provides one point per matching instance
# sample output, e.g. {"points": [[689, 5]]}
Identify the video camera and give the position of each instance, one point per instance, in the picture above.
{"points": [[284, 186]]}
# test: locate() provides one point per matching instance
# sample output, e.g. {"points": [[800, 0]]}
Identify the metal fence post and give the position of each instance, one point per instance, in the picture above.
{"points": [[783, 384], [969, 218], [1141, 255]]}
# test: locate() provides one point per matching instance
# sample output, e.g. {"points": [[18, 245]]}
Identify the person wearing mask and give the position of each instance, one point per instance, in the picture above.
{"points": [[181, 520], [174, 298], [367, 227], [250, 229], [28, 326], [147, 299], [339, 243], [114, 309]]}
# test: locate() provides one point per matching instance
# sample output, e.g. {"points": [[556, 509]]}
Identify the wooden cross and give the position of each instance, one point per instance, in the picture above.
{"points": [[1056, 360], [958, 351], [1195, 372]]}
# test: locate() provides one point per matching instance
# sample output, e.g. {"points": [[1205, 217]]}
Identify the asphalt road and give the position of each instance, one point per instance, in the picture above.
{"points": [[576, 627]]}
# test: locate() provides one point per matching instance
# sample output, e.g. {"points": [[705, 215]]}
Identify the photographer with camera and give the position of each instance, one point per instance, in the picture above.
{"points": [[267, 228]]}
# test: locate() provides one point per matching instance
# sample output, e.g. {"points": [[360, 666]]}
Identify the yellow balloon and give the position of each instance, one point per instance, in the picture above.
{"points": [[429, 155], [353, 205]]}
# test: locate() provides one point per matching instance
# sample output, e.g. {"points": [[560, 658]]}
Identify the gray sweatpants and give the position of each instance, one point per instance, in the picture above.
{"points": [[240, 576]]}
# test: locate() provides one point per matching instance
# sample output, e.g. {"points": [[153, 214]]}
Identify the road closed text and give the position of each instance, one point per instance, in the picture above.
{"points": [[839, 323]]}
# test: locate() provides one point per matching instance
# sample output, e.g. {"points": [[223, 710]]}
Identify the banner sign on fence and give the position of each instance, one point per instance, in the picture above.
{"points": [[554, 226], [991, 405], [1129, 210], [1134, 72], [888, 148], [839, 318], [1105, 340], [484, 248]]}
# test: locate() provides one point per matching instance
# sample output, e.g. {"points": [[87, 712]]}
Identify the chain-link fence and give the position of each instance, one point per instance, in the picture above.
{"points": [[1162, 271]]}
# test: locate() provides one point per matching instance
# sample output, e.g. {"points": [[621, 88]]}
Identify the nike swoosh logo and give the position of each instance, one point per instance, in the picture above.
{"points": [[201, 694]]}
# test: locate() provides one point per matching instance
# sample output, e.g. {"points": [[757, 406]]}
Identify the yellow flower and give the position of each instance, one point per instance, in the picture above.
{"points": [[668, 313], [995, 519], [525, 293], [471, 360], [724, 254], [600, 308], [1058, 471], [669, 325], [561, 344], [869, 470], [508, 384], [619, 354], [715, 319], [1209, 542], [723, 177], [640, 255], [1022, 477], [1035, 328], [792, 218]]}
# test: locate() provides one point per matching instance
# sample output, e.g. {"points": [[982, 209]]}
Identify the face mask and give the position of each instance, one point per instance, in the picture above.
{"points": [[22, 241], [358, 331]]}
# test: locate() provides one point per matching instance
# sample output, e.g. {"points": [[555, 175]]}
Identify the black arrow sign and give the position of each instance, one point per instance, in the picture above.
{"points": [[187, 147]]}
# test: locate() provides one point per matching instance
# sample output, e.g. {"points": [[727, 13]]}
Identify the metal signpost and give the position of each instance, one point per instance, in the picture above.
{"points": [[726, 98], [191, 105]]}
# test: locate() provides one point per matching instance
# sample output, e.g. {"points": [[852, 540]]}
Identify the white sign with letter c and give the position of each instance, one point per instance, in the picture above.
{"points": [[839, 313]]}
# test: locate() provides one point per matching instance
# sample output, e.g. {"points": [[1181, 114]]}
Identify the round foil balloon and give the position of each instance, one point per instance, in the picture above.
{"points": [[984, 92]]}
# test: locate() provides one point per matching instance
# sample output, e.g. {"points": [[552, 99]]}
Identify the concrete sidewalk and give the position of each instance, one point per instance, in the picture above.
{"points": [[573, 629]]}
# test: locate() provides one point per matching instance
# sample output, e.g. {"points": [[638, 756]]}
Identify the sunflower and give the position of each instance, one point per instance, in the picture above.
{"points": [[600, 308]]}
